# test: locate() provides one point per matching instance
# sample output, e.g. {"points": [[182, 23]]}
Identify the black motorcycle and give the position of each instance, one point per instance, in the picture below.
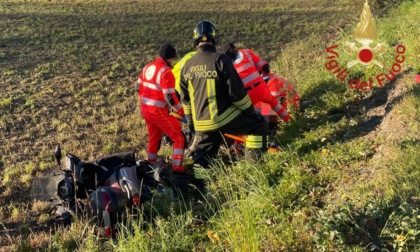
{"points": [[106, 188]]}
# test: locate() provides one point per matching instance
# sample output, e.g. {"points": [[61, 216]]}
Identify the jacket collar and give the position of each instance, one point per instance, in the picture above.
{"points": [[163, 61], [206, 48]]}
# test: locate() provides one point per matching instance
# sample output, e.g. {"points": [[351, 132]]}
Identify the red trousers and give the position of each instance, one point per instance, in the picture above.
{"points": [[158, 121]]}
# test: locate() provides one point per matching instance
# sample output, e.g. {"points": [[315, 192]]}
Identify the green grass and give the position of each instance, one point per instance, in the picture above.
{"points": [[68, 73]]}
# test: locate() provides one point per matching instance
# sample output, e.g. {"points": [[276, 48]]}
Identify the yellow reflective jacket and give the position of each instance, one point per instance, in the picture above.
{"points": [[177, 69]]}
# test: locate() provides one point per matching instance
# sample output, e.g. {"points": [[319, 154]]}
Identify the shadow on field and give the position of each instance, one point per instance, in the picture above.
{"points": [[381, 99]]}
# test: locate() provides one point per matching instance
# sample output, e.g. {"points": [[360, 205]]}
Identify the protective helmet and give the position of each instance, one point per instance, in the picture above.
{"points": [[205, 30]]}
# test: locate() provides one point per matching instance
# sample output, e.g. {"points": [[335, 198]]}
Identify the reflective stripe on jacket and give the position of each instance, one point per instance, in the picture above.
{"points": [[211, 90], [248, 65], [281, 88]]}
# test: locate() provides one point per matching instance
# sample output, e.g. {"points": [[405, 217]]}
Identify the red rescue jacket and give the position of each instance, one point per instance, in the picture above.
{"points": [[248, 65], [282, 89], [157, 88]]}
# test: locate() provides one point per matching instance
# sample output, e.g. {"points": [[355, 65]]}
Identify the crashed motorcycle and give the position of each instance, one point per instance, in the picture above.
{"points": [[107, 188]]}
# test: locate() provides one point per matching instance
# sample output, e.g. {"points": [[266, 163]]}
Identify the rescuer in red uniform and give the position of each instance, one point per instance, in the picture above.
{"points": [[157, 95], [249, 66], [282, 90]]}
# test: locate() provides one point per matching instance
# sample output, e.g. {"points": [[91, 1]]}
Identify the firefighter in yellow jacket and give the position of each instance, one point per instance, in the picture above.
{"points": [[215, 101]]}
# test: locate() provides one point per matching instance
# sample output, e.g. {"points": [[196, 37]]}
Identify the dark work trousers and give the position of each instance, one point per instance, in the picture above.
{"points": [[206, 144]]}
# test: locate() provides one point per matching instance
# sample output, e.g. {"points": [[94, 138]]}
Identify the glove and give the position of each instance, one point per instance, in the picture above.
{"points": [[176, 115], [179, 117]]}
